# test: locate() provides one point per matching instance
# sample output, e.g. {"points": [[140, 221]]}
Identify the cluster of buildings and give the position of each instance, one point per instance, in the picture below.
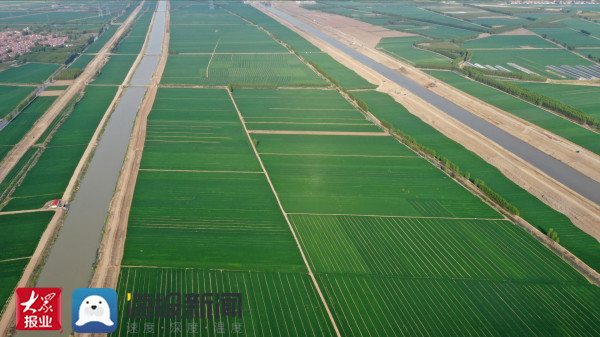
{"points": [[14, 42]]}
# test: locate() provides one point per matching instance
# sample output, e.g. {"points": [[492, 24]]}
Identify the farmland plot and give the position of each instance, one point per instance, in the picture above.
{"points": [[21, 233], [273, 304], [11, 96], [244, 69], [35, 73], [115, 71]]}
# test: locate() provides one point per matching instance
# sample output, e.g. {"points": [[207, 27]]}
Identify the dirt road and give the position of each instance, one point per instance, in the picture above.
{"points": [[40, 126], [584, 213]]}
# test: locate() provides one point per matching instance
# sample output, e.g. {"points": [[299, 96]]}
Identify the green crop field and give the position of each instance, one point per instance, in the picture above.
{"points": [[224, 69], [347, 78], [290, 37], [82, 61], [191, 129], [101, 41], [48, 179], [200, 14], [29, 73], [21, 233], [296, 110], [394, 185], [11, 96], [577, 96], [532, 59], [507, 21], [532, 209], [230, 39], [115, 71], [558, 125], [509, 41], [19, 126], [273, 304], [443, 270], [579, 25], [402, 48], [568, 36], [193, 219]]}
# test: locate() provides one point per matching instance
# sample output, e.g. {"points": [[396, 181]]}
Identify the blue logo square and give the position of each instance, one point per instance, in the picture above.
{"points": [[94, 310]]}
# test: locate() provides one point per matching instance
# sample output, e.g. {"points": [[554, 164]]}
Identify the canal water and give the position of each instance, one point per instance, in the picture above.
{"points": [[561, 172], [70, 262]]}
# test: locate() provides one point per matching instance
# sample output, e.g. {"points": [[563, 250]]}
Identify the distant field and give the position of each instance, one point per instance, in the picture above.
{"points": [[20, 236], [553, 123], [48, 179], [231, 39], [347, 78], [402, 48], [82, 61], [11, 96], [273, 69], [579, 25], [568, 36], [581, 97], [115, 71], [14, 131], [534, 60], [509, 41], [273, 304], [498, 21], [29, 73], [101, 41], [532, 209], [199, 14]]}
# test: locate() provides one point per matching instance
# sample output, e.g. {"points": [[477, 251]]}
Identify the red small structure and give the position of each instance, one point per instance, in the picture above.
{"points": [[55, 203]]}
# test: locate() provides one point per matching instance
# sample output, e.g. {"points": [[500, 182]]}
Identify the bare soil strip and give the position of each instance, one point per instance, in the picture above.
{"points": [[40, 126], [51, 93], [310, 273], [211, 56], [329, 133], [584, 213], [204, 171], [334, 155], [400, 216], [28, 211]]}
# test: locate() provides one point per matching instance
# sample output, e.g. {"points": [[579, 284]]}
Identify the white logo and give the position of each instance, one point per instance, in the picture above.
{"points": [[94, 309]]}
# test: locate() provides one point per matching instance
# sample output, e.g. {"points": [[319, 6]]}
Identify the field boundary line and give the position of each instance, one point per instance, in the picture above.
{"points": [[15, 259], [285, 215], [328, 133], [203, 171], [401, 216], [212, 55], [334, 155]]}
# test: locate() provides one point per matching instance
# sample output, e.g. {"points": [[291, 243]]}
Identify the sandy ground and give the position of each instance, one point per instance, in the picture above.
{"points": [[113, 240], [56, 221], [52, 92], [518, 31], [13, 157], [584, 213]]}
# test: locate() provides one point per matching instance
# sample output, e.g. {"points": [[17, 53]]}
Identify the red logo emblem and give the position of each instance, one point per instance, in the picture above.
{"points": [[38, 308]]}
